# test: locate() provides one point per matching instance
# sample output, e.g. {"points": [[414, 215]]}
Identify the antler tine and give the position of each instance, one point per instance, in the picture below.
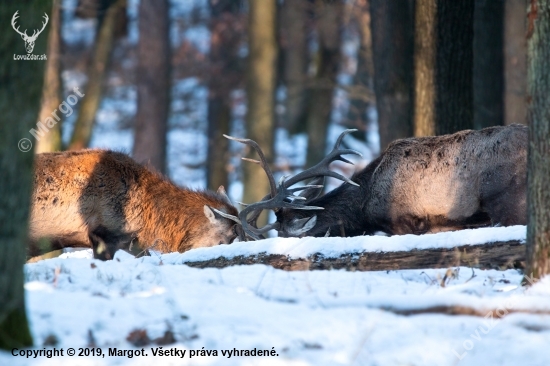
{"points": [[45, 16], [277, 202], [13, 20], [342, 135], [262, 161], [226, 215], [321, 168]]}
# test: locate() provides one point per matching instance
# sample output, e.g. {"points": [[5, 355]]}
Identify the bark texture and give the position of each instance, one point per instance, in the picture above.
{"points": [[538, 83], [515, 61], [153, 84], [443, 66], [51, 94], [260, 91], [103, 44], [392, 46], [488, 71], [500, 255], [425, 50], [20, 96]]}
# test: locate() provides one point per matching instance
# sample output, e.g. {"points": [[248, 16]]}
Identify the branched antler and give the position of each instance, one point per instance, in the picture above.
{"points": [[282, 196], [13, 20], [29, 40]]}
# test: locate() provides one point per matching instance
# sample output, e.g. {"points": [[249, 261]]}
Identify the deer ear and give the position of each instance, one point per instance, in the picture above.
{"points": [[221, 191], [209, 214], [301, 226]]}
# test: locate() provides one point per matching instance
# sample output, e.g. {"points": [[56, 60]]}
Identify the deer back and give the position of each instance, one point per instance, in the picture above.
{"points": [[105, 195]]}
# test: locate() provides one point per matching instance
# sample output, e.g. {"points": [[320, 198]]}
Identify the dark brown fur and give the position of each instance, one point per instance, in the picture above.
{"points": [[90, 197], [428, 184]]}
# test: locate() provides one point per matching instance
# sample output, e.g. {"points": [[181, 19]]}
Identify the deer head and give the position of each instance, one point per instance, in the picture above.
{"points": [[282, 199], [29, 40]]}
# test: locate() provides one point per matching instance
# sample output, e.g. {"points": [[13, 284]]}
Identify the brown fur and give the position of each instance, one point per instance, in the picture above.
{"points": [[83, 198], [425, 185]]}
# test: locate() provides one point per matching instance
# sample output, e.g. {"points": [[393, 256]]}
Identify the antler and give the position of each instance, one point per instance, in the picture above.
{"points": [[282, 196], [24, 34], [43, 25], [13, 19]]}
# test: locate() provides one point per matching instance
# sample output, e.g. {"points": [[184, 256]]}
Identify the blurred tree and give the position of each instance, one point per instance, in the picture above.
{"points": [[225, 74], [260, 92], [515, 62], [392, 46], [19, 106], [329, 18], [488, 70], [443, 56], [294, 52], [51, 94], [538, 84], [153, 84], [108, 14], [360, 94], [91, 9]]}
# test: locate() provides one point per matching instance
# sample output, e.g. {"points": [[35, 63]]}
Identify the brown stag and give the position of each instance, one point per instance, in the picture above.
{"points": [[418, 185], [107, 201]]}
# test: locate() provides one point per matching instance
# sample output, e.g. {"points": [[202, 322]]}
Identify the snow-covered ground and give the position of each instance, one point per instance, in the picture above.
{"points": [[306, 317]]}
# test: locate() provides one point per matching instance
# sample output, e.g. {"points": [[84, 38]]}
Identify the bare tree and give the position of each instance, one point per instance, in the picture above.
{"points": [[488, 70], [102, 49], [224, 74], [515, 62], [51, 93], [538, 83], [329, 17], [443, 64], [392, 44], [20, 96], [153, 84], [260, 91]]}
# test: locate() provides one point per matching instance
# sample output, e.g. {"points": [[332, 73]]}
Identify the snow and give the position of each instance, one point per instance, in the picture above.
{"points": [[334, 247], [308, 317]]}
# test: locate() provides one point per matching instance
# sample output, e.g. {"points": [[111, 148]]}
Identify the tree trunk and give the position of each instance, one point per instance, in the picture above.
{"points": [[20, 96], [219, 123], [293, 41], [224, 76], [443, 66], [329, 15], [392, 46], [153, 84], [82, 133], [488, 71], [361, 95], [424, 68], [260, 91], [538, 84], [515, 62], [51, 94], [499, 255]]}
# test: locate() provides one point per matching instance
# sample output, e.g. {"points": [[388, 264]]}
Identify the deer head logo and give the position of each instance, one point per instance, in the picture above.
{"points": [[29, 40]]}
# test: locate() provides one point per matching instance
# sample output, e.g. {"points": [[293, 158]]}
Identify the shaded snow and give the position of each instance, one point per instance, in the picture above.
{"points": [[309, 317]]}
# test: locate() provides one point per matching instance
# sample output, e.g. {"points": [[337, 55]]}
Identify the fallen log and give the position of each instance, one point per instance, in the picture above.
{"points": [[496, 313], [496, 255]]}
